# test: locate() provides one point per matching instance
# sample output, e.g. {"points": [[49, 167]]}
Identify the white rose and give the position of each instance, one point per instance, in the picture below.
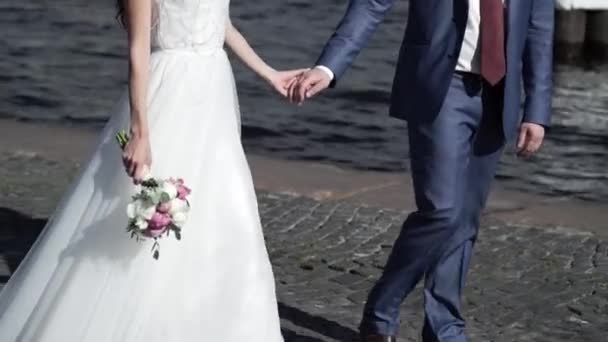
{"points": [[178, 206], [132, 209], [141, 224], [169, 189], [144, 212], [139, 209], [179, 219]]}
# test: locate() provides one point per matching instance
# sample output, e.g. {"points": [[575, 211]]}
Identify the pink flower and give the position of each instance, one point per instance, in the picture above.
{"points": [[182, 190], [158, 224], [176, 182]]}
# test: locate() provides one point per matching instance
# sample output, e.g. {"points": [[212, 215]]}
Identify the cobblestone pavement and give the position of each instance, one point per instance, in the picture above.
{"points": [[525, 284]]}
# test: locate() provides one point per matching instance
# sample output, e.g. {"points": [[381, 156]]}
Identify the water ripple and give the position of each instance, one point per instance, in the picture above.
{"points": [[65, 62]]}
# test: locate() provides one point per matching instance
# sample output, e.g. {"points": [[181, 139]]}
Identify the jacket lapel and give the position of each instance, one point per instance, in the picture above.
{"points": [[461, 13]]}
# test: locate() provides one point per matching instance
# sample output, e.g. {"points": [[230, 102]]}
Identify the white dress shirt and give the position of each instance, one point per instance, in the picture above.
{"points": [[469, 59], [326, 70]]}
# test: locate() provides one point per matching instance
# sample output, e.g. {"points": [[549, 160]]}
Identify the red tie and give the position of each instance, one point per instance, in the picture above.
{"points": [[493, 60]]}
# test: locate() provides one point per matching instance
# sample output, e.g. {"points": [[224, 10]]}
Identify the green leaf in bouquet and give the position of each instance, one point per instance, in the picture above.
{"points": [[164, 197], [156, 249], [131, 226], [152, 199], [177, 231], [122, 138], [150, 183], [141, 197], [119, 141]]}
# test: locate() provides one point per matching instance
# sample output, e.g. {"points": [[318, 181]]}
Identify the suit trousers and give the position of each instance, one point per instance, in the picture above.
{"points": [[453, 157]]}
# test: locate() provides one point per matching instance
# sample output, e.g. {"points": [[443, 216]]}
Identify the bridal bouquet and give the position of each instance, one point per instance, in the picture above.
{"points": [[160, 207]]}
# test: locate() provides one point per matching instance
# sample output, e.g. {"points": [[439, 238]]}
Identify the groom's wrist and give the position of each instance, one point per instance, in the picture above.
{"points": [[326, 70]]}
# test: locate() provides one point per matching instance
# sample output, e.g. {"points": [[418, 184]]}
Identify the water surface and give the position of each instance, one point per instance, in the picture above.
{"points": [[64, 61]]}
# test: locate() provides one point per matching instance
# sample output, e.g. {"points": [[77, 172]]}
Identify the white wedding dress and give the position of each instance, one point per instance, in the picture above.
{"points": [[85, 280]]}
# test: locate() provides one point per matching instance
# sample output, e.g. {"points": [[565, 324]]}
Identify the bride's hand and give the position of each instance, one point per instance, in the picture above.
{"points": [[282, 80], [137, 157]]}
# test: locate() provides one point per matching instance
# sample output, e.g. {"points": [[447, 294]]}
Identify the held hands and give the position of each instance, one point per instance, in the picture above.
{"points": [[308, 84], [298, 85], [281, 81], [530, 139]]}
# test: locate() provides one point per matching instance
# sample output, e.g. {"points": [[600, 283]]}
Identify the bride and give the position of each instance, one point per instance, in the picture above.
{"points": [[84, 280]]}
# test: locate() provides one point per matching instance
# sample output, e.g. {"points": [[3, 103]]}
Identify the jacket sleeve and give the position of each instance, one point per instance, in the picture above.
{"points": [[538, 63], [361, 20]]}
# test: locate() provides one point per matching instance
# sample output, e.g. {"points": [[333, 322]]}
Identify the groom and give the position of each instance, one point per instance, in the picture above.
{"points": [[458, 83]]}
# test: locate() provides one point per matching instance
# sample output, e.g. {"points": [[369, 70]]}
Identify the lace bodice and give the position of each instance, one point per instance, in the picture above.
{"points": [[183, 24]]}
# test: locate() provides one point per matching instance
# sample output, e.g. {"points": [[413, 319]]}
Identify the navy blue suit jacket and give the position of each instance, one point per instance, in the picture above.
{"points": [[430, 49]]}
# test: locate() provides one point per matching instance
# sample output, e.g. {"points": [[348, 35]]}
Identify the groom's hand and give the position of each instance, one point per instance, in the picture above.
{"points": [[309, 84], [531, 137]]}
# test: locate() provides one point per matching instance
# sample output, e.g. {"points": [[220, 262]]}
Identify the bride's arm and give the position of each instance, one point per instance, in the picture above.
{"points": [[280, 80], [137, 155], [138, 15]]}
